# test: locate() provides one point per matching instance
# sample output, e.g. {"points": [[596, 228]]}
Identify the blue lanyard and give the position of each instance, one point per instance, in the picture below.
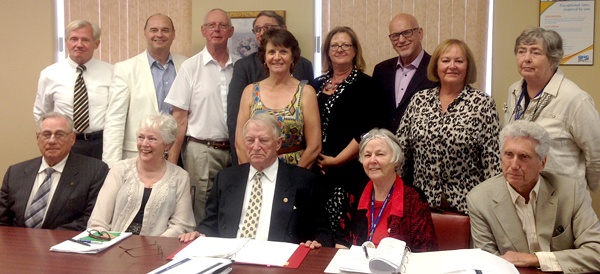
{"points": [[518, 113], [375, 222]]}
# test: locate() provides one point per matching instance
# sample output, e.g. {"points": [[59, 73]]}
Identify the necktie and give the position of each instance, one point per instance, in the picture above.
{"points": [[254, 205], [81, 116], [37, 209]]}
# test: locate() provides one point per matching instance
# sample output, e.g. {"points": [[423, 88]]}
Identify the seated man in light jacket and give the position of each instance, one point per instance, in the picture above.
{"points": [[533, 218]]}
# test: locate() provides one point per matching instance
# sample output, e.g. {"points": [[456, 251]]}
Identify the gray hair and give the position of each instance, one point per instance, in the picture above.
{"points": [[272, 14], [550, 39], [160, 122], [82, 24], [388, 137], [267, 120], [54, 114], [215, 9], [522, 128]]}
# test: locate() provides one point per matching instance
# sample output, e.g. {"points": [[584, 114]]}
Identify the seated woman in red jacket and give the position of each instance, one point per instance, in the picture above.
{"points": [[388, 207]]}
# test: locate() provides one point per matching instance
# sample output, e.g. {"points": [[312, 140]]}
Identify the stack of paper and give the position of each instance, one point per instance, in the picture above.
{"points": [[195, 265], [97, 247]]}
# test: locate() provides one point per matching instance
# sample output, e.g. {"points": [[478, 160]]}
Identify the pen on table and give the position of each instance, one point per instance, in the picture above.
{"points": [[173, 266], [366, 253], [89, 242], [81, 243]]}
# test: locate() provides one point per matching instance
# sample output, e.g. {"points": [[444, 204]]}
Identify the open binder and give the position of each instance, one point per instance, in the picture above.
{"points": [[245, 251]]}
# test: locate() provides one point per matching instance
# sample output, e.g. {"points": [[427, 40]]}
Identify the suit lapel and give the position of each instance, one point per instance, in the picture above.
{"points": [[234, 201], [26, 188], [545, 214], [67, 183], [145, 73], [283, 204], [506, 213]]}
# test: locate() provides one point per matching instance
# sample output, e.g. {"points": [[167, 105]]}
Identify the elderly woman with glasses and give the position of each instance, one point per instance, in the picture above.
{"points": [[342, 91], [147, 195], [291, 102], [449, 134], [545, 96], [388, 207]]}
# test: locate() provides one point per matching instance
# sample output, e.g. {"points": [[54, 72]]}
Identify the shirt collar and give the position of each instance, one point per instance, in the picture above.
{"points": [[414, 63], [75, 65], [270, 172], [207, 58], [57, 168], [151, 59], [396, 202], [514, 195]]}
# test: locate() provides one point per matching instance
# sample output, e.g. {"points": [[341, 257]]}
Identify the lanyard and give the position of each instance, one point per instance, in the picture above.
{"points": [[518, 113], [375, 222]]}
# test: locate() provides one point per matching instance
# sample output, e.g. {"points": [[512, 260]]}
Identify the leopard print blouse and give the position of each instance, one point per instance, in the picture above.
{"points": [[451, 152]]}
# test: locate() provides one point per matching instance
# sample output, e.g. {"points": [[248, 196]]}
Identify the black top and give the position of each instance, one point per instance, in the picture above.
{"points": [[139, 217]]}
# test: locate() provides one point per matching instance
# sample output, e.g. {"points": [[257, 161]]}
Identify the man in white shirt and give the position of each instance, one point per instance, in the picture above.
{"points": [[57, 190], [199, 100], [286, 209], [533, 218], [57, 88], [139, 87]]}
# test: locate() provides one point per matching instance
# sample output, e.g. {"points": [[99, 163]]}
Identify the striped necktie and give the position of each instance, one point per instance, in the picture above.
{"points": [[253, 213], [37, 209], [81, 115]]}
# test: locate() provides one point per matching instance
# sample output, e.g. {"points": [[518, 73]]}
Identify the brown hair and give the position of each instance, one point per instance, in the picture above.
{"points": [[358, 61], [432, 69], [279, 38]]}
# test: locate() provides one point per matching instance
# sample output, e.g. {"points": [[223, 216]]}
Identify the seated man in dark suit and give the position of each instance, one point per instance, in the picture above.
{"points": [[533, 218], [250, 69], [265, 199], [57, 190]]}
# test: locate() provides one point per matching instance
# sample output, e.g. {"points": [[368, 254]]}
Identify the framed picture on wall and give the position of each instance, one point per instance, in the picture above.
{"points": [[243, 42]]}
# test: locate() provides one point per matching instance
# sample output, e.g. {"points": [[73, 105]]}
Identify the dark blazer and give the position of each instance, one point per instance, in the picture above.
{"points": [[384, 76], [293, 221], [73, 200], [246, 71]]}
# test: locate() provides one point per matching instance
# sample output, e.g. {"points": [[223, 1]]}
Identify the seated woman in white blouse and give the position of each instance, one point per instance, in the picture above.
{"points": [[147, 195]]}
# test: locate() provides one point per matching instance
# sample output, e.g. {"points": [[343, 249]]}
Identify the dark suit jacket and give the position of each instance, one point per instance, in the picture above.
{"points": [[293, 221], [73, 200], [384, 76], [246, 71]]}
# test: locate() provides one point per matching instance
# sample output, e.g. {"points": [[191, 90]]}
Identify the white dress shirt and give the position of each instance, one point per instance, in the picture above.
{"points": [[201, 88], [56, 89], [526, 213], [39, 179], [268, 180]]}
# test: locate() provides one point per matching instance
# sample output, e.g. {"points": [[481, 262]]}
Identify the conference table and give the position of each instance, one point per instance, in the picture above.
{"points": [[27, 250]]}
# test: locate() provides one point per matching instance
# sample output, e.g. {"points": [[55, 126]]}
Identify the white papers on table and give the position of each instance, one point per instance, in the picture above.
{"points": [[69, 246], [439, 262], [389, 256], [242, 250], [193, 265], [355, 260]]}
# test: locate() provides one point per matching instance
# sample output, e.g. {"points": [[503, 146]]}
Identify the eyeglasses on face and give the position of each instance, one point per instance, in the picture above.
{"points": [[59, 134], [100, 235], [344, 47], [407, 34], [143, 251], [213, 26], [265, 28]]}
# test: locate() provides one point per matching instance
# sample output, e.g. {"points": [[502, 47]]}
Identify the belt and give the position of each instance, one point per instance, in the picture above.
{"points": [[285, 150], [89, 136], [214, 144]]}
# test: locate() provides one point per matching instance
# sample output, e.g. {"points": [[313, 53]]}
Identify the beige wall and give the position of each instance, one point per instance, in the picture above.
{"points": [[299, 16], [508, 24], [27, 26]]}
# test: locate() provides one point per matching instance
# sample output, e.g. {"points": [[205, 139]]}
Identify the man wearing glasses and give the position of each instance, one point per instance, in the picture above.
{"points": [[249, 70], [199, 100], [57, 190], [400, 78]]}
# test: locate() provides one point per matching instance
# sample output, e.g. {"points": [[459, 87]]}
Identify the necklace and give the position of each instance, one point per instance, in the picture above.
{"points": [[331, 86]]}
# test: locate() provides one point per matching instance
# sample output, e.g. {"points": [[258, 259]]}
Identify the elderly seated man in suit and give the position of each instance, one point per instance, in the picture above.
{"points": [[265, 199], [533, 218], [57, 190]]}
